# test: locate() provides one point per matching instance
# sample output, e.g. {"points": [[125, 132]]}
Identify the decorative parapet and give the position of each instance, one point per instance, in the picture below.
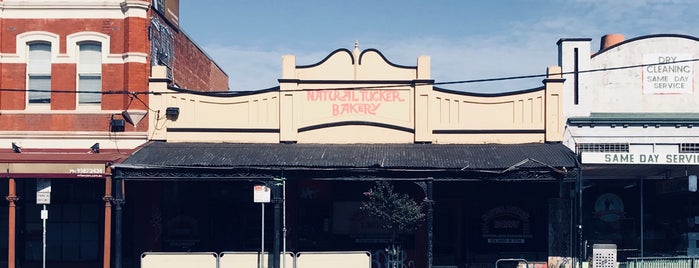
{"points": [[339, 101], [555, 122]]}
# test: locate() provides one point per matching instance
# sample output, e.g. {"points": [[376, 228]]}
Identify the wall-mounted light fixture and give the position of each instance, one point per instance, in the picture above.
{"points": [[95, 148], [16, 148], [133, 117], [172, 113]]}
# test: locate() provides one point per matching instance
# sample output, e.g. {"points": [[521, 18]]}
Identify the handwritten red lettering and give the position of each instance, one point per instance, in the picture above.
{"points": [[354, 102], [355, 108], [332, 95]]}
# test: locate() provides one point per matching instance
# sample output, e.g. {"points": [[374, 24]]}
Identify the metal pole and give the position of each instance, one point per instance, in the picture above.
{"points": [[43, 219], [118, 215], [430, 219], [581, 245], [262, 239], [284, 223], [640, 192], [276, 198]]}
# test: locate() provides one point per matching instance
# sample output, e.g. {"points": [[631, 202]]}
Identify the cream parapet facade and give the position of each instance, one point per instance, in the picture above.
{"points": [[358, 97]]}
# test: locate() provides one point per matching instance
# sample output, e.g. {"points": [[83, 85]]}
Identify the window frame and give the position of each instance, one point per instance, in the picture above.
{"points": [[81, 74], [30, 73]]}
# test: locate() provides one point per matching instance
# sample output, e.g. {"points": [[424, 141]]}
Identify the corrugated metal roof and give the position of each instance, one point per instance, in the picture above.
{"points": [[351, 156]]}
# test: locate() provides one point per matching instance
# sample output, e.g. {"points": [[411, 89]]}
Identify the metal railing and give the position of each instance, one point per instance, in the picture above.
{"points": [[663, 262]]}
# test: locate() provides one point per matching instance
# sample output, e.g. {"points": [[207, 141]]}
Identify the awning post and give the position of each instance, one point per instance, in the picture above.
{"points": [[118, 200]]}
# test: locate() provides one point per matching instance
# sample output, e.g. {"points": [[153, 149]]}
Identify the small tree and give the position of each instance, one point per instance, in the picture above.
{"points": [[396, 212]]}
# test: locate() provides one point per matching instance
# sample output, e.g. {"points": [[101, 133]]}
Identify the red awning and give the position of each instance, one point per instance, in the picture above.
{"points": [[60, 163]]}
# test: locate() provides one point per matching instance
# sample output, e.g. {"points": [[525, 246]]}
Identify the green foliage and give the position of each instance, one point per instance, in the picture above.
{"points": [[395, 211]]}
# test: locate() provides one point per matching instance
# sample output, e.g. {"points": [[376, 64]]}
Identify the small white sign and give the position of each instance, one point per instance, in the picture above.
{"points": [[44, 214], [261, 194], [43, 191]]}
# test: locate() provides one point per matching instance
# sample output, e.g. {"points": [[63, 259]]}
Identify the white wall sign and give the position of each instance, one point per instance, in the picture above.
{"points": [[640, 158], [668, 74], [43, 191], [261, 194]]}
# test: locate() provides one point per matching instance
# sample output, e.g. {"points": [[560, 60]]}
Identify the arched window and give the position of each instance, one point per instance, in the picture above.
{"points": [[90, 73], [39, 73]]}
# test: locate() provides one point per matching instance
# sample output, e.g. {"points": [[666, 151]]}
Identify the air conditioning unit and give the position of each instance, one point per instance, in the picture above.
{"points": [[604, 256]]}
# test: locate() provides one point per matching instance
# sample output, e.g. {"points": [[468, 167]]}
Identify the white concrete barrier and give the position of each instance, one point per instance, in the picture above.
{"points": [[339, 259], [251, 260], [179, 260]]}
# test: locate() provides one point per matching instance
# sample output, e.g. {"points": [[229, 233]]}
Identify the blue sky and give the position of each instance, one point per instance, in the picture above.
{"points": [[465, 39]]}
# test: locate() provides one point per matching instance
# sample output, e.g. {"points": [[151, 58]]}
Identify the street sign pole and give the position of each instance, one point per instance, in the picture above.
{"points": [[262, 195], [44, 217], [43, 197], [262, 244], [283, 258]]}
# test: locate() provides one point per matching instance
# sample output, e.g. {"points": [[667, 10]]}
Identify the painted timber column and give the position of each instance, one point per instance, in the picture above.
{"points": [[118, 201], [12, 217], [559, 238], [107, 253], [430, 220], [426, 187]]}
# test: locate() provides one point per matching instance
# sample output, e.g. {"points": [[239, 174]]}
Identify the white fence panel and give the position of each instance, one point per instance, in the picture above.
{"points": [[250, 260], [179, 260], [352, 259]]}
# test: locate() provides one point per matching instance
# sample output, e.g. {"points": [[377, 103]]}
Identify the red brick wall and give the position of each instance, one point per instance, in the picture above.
{"points": [[125, 35], [63, 27], [63, 80], [218, 78], [191, 67], [12, 76], [62, 122]]}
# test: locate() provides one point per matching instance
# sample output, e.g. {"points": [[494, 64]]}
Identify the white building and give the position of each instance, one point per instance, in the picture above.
{"points": [[631, 111]]}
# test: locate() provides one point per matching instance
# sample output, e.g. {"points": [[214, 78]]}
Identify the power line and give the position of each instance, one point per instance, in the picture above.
{"points": [[562, 73], [389, 86]]}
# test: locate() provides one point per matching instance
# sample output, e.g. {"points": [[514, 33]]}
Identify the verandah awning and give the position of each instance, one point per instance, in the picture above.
{"points": [[59, 163], [162, 160]]}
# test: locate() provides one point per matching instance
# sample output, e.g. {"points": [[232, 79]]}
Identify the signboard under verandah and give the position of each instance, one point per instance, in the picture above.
{"points": [[43, 197], [640, 158]]}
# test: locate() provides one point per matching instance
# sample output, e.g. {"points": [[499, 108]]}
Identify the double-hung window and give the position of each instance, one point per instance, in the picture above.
{"points": [[39, 73], [90, 73]]}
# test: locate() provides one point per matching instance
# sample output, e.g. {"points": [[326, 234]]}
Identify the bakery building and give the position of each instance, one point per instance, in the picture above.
{"points": [[492, 166]]}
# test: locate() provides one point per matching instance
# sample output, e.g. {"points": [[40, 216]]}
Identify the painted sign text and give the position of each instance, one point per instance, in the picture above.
{"points": [[641, 158], [667, 74], [354, 102]]}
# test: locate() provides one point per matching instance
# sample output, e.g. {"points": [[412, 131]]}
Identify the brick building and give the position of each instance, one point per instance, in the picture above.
{"points": [[74, 79]]}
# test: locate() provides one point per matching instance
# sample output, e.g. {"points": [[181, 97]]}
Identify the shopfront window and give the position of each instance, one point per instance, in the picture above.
{"points": [[72, 231]]}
